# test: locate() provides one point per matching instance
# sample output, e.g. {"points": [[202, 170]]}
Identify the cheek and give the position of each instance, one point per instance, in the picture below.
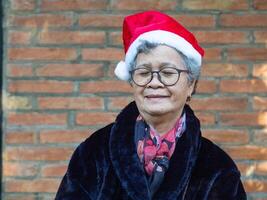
{"points": [[139, 99], [137, 93], [180, 94], [180, 98]]}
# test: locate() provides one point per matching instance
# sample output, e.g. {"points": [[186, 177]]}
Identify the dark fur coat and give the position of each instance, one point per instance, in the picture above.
{"points": [[106, 166]]}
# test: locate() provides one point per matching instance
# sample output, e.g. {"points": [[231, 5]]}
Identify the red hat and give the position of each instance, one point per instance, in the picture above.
{"points": [[159, 28]]}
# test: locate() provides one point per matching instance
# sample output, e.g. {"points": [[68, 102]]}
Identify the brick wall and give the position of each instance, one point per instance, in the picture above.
{"points": [[59, 85]]}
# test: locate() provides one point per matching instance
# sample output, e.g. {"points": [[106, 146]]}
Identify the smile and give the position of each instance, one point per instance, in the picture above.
{"points": [[156, 96]]}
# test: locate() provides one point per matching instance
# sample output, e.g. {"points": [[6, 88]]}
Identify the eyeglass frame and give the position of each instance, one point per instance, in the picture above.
{"points": [[179, 71]]}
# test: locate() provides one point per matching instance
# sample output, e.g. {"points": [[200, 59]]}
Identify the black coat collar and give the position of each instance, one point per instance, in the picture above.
{"points": [[127, 165]]}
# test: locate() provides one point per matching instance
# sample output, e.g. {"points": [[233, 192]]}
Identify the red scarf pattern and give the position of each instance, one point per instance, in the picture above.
{"points": [[155, 150]]}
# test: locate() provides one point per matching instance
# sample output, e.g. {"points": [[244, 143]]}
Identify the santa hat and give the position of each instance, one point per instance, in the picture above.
{"points": [[159, 28]]}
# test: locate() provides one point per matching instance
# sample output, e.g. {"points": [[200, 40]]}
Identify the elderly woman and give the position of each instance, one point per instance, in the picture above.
{"points": [[154, 149]]}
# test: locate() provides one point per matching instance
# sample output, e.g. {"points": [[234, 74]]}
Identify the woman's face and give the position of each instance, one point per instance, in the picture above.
{"points": [[155, 99]]}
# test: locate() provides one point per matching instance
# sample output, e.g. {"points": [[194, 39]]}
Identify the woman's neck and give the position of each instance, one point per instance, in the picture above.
{"points": [[162, 124]]}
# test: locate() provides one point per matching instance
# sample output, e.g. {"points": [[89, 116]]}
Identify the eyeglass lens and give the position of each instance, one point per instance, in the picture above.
{"points": [[167, 76]]}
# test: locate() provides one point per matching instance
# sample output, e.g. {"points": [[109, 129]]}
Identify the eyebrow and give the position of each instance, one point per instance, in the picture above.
{"points": [[149, 65], [143, 64], [167, 63]]}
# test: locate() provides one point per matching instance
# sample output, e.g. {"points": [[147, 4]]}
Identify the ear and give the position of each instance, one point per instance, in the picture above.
{"points": [[191, 89], [131, 83]]}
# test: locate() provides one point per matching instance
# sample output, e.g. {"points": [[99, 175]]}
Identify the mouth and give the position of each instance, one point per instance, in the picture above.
{"points": [[156, 96]]}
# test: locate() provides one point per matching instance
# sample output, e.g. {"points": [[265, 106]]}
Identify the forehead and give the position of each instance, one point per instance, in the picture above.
{"points": [[158, 55]]}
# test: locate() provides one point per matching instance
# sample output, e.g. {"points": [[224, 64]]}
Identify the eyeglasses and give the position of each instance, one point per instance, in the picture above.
{"points": [[168, 76]]}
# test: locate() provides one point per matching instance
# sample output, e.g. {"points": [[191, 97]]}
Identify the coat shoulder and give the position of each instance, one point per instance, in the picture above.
{"points": [[99, 137], [215, 175], [212, 159], [90, 149], [84, 176]]}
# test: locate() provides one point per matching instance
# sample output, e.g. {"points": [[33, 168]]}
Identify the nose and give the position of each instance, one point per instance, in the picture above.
{"points": [[155, 81]]}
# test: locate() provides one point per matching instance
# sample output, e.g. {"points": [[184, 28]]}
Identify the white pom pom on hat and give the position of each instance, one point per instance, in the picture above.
{"points": [[122, 72], [159, 28]]}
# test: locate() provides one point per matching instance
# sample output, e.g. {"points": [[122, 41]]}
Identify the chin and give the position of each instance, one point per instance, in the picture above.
{"points": [[157, 110]]}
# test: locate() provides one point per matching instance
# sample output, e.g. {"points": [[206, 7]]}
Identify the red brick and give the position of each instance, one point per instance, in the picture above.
{"points": [[226, 37], [26, 5], [19, 169], [244, 119], [46, 196], [105, 86], [196, 21], [260, 70], [260, 136], [37, 153], [61, 5], [212, 54], [116, 20], [255, 186], [258, 168], [247, 152], [111, 70], [35, 118], [40, 86], [216, 5], [260, 36], [115, 38], [260, 4], [117, 103], [19, 138], [53, 54], [261, 168], [19, 37], [19, 70], [16, 102], [71, 37], [206, 118], [144, 5], [219, 103], [245, 20], [250, 54], [98, 20], [41, 20], [70, 70], [245, 169], [19, 196], [206, 86], [53, 170], [80, 103], [227, 136], [224, 70], [259, 103], [243, 86], [95, 118], [37, 185], [63, 136], [109, 54]]}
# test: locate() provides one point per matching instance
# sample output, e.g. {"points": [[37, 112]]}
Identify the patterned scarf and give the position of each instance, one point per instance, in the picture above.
{"points": [[154, 150]]}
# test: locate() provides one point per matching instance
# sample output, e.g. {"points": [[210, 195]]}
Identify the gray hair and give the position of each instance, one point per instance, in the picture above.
{"points": [[190, 64]]}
